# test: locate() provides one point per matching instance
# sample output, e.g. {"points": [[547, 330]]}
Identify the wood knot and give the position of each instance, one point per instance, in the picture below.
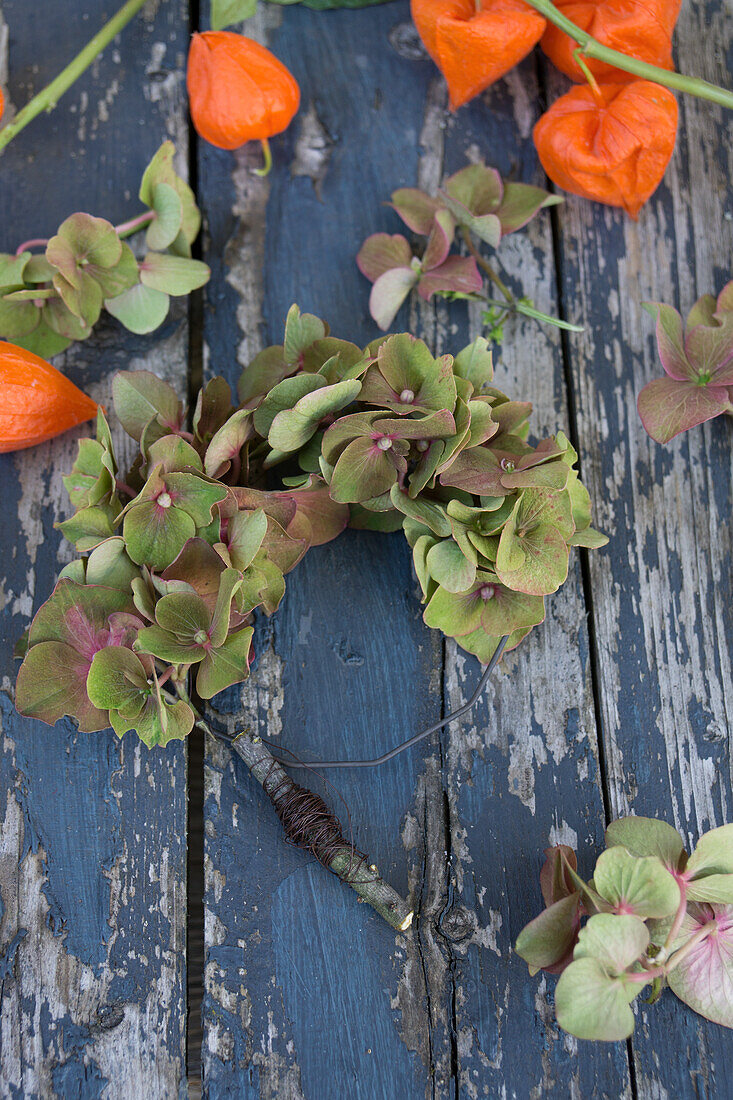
{"points": [[457, 923], [110, 1016]]}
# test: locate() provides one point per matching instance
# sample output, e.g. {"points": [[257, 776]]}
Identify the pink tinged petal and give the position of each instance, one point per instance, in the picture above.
{"points": [[52, 682], [416, 209], [458, 273], [710, 350], [725, 299], [381, 252], [704, 979], [439, 241], [671, 342], [668, 407], [82, 634], [388, 294]]}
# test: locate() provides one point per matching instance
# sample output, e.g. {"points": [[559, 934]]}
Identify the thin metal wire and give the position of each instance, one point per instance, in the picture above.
{"points": [[377, 760]]}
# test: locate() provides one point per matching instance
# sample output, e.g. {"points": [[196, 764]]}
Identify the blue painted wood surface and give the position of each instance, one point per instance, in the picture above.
{"points": [[618, 702], [92, 831]]}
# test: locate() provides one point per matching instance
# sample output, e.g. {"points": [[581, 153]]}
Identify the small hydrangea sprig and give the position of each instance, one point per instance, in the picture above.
{"points": [[178, 552], [651, 915], [485, 209], [697, 357], [49, 300]]}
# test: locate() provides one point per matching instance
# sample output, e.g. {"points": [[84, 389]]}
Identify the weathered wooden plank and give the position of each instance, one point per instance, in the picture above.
{"points": [[92, 833], [662, 589], [522, 771], [307, 992]]}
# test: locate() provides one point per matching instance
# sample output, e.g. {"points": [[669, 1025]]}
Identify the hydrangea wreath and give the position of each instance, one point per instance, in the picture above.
{"points": [[177, 554]]}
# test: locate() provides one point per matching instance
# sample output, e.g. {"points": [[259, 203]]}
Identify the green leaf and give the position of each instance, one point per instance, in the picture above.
{"points": [[184, 616], [301, 330], [591, 1004], [155, 640], [716, 889], [519, 204], [75, 570], [713, 854], [83, 298], [361, 472], [407, 378], [424, 511], [227, 442], [60, 320], [231, 582], [18, 318], [548, 939], [161, 170], [616, 942], [115, 280], [195, 496], [44, 341], [159, 722], [140, 309], [89, 526], [285, 395], [38, 270], [227, 665], [448, 565], [226, 12], [213, 409], [246, 533], [78, 619], [12, 270], [139, 397], [173, 275], [166, 225], [486, 606], [389, 292], [91, 478], [173, 455], [475, 364], [638, 885], [108, 564], [646, 836], [155, 536], [117, 680], [533, 555], [292, 428], [83, 239], [264, 372]]}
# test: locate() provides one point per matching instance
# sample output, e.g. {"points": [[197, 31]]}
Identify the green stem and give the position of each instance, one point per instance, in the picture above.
{"points": [[592, 48], [47, 99], [267, 154], [676, 924], [126, 229], [701, 934], [486, 266]]}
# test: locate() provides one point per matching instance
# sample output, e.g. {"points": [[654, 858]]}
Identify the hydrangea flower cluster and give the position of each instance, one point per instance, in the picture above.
{"points": [[177, 554]]}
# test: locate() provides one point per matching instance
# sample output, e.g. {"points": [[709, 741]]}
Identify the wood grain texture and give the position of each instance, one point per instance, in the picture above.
{"points": [[92, 831], [522, 771], [662, 589], [303, 983]]}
